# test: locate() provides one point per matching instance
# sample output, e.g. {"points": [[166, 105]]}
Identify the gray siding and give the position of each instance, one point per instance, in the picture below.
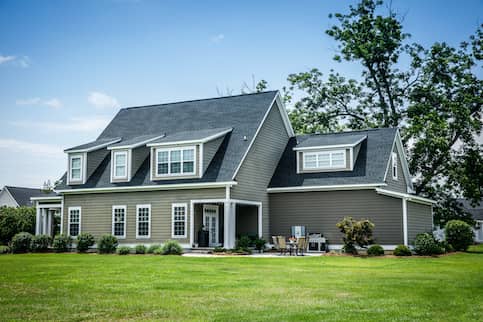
{"points": [[420, 220], [97, 211], [6, 199], [94, 159], [319, 212], [400, 184], [257, 170], [138, 156], [209, 151]]}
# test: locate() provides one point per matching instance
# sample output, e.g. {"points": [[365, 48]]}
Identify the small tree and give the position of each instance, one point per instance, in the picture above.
{"points": [[458, 234], [356, 233]]}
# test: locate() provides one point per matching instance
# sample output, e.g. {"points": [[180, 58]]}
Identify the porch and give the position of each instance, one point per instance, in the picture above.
{"points": [[48, 215], [222, 221]]}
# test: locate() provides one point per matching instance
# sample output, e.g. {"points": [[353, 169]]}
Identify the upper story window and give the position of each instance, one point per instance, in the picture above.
{"points": [[335, 159], [175, 161], [394, 165], [120, 165], [76, 165]]}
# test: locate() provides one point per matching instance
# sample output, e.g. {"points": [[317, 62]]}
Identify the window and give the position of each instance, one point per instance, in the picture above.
{"points": [[179, 213], [394, 165], [143, 221], [120, 165], [176, 161], [119, 221], [76, 168], [324, 160], [74, 221]]}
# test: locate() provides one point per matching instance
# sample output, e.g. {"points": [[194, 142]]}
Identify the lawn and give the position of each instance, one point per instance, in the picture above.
{"points": [[102, 287]]}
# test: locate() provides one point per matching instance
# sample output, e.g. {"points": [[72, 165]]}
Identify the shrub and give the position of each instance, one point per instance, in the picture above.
{"points": [[259, 244], [426, 244], [107, 244], [375, 250], [16, 220], [4, 249], [62, 243], [446, 246], [219, 249], [158, 251], [356, 233], [459, 234], [243, 242], [84, 241], [140, 249], [152, 248], [21, 242], [41, 243], [123, 250], [402, 250], [172, 247]]}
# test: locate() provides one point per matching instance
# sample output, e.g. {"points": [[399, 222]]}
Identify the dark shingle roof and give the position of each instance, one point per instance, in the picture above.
{"points": [[242, 113], [475, 211], [22, 195], [190, 135], [305, 141], [370, 165]]}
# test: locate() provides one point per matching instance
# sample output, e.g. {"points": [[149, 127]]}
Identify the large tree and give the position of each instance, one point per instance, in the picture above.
{"points": [[433, 95]]}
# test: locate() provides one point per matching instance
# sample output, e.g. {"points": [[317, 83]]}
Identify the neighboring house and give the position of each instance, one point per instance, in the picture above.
{"points": [[18, 196], [233, 166], [477, 214]]}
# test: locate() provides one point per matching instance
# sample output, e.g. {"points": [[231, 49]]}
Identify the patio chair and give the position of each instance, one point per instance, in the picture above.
{"points": [[301, 245], [282, 244], [275, 243]]}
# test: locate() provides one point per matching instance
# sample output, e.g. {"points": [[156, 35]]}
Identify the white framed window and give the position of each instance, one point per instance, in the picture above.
{"points": [[74, 221], [76, 165], [119, 165], [179, 212], [119, 221], [175, 161], [394, 165], [143, 221], [335, 159]]}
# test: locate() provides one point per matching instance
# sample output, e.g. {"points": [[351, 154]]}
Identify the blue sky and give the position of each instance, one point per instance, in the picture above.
{"points": [[66, 67]]}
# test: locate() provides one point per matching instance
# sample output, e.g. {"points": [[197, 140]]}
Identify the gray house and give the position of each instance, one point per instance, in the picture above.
{"points": [[11, 196], [233, 166]]}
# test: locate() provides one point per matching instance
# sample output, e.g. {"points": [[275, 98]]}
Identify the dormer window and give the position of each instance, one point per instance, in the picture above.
{"points": [[76, 168], [323, 160], [175, 161], [120, 165]]}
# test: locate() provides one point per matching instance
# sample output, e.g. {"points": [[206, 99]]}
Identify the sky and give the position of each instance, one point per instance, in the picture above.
{"points": [[67, 67]]}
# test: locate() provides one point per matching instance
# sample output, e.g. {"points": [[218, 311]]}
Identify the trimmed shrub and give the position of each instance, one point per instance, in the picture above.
{"points": [[158, 251], [446, 246], [123, 250], [84, 241], [152, 248], [172, 247], [356, 233], [426, 244], [260, 244], [219, 249], [62, 243], [402, 250], [243, 242], [21, 242], [375, 250], [458, 234], [41, 243], [4, 249], [16, 220], [140, 249], [107, 244]]}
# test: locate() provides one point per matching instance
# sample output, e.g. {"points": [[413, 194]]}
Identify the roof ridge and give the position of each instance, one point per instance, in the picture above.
{"points": [[197, 100], [348, 132]]}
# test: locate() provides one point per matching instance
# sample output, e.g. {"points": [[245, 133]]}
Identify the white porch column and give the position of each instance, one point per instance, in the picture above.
{"points": [[44, 220], [50, 214], [37, 220], [229, 225]]}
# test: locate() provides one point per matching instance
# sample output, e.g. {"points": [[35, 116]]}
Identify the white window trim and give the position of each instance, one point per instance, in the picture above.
{"points": [[169, 174], [126, 164], [83, 168], [329, 152], [137, 221], [125, 220], [394, 165], [185, 206], [69, 222]]}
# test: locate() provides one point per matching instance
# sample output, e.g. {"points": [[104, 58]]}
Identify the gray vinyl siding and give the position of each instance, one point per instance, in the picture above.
{"points": [[94, 159], [257, 170], [420, 220], [138, 156], [6, 199], [209, 151], [320, 211], [96, 213], [400, 184]]}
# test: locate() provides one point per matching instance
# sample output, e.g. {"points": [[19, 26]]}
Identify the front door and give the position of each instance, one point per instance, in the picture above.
{"points": [[210, 221]]}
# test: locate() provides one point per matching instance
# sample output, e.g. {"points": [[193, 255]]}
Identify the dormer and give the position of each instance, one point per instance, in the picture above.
{"points": [[186, 154], [327, 153], [83, 160]]}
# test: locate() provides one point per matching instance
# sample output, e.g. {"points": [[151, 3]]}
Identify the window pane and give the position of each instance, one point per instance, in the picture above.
{"points": [[143, 221], [188, 155], [163, 156], [119, 218], [162, 168], [338, 159], [76, 163], [176, 167], [120, 171], [76, 173], [179, 217], [175, 156], [188, 167], [310, 161], [120, 159], [323, 160]]}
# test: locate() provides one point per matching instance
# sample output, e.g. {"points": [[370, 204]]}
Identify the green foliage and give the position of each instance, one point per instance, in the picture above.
{"points": [[158, 251], [41, 243], [107, 244], [356, 233], [375, 250], [259, 243], [402, 250], [426, 244], [16, 220], [140, 249], [458, 234], [84, 241], [62, 243], [4, 249], [172, 247], [447, 248], [243, 242], [123, 250], [219, 249], [21, 242], [152, 248]]}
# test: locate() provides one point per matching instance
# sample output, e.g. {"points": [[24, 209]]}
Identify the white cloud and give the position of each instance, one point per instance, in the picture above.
{"points": [[72, 125], [4, 59], [39, 149], [23, 61], [102, 100], [52, 102], [217, 38]]}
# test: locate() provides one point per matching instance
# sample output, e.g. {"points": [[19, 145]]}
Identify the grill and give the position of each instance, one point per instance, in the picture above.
{"points": [[317, 243]]}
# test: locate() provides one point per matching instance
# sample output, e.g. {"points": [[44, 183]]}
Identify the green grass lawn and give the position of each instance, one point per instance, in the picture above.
{"points": [[102, 287]]}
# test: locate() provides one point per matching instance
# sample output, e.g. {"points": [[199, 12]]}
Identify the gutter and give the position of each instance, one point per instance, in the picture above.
{"points": [[327, 188]]}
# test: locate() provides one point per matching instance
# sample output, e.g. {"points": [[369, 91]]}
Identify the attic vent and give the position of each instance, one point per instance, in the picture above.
{"points": [[245, 138]]}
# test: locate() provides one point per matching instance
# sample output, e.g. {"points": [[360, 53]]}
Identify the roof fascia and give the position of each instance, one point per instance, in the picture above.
{"points": [[334, 146], [197, 141], [135, 145], [93, 148], [362, 186]]}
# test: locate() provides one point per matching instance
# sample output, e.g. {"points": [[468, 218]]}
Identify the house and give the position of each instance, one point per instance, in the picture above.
{"points": [[18, 196], [233, 166], [477, 214]]}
